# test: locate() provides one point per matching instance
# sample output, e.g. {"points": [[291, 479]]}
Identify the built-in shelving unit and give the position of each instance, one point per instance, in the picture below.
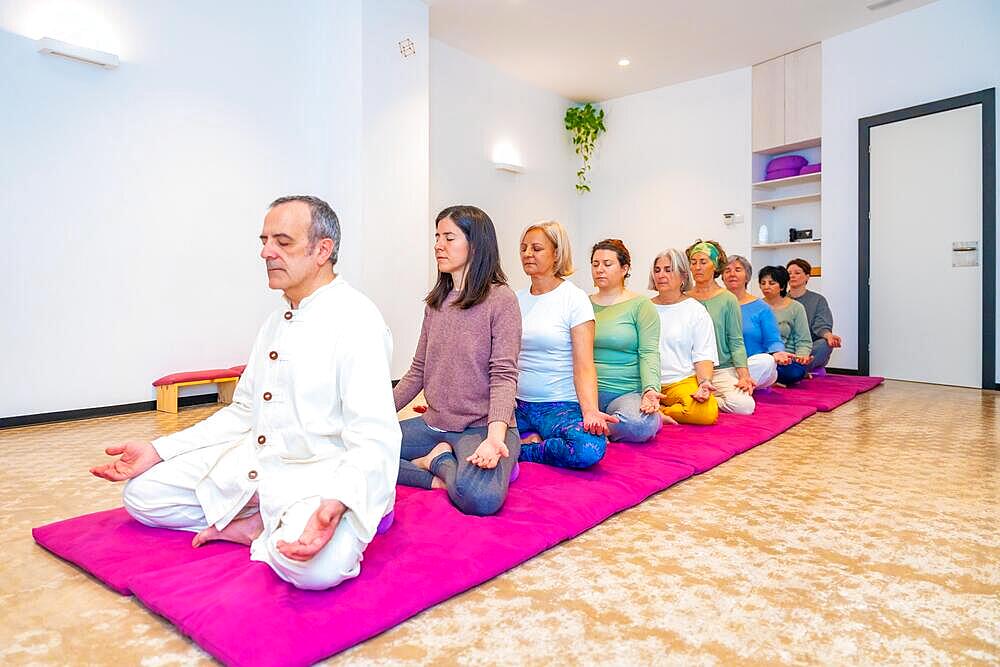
{"points": [[787, 201], [783, 204], [786, 120], [791, 180], [787, 244]]}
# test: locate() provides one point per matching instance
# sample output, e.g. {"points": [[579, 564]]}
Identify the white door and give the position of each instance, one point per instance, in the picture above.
{"points": [[926, 197]]}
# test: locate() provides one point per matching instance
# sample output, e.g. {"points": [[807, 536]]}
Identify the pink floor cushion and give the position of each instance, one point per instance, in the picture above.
{"points": [[799, 395], [824, 393], [194, 376], [781, 173], [386, 523], [795, 162], [209, 602], [238, 370], [856, 383], [242, 614], [112, 546]]}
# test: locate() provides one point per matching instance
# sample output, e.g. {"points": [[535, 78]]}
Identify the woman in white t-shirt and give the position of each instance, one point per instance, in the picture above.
{"points": [[688, 353], [556, 409]]}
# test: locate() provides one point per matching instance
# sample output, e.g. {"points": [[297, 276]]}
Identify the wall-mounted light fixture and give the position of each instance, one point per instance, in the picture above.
{"points": [[506, 158], [54, 47], [507, 166]]}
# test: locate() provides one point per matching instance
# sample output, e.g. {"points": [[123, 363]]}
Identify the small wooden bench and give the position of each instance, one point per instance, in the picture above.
{"points": [[168, 385]]}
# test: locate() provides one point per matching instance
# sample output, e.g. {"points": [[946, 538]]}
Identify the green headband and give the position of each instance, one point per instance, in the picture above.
{"points": [[707, 249]]}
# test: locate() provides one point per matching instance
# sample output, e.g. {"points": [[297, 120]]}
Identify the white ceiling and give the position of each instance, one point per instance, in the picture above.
{"points": [[573, 46]]}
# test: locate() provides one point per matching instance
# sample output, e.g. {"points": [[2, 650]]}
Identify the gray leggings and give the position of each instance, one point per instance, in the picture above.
{"points": [[821, 354], [473, 490]]}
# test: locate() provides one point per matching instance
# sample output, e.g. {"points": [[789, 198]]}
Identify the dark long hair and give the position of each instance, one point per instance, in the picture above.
{"points": [[484, 259]]}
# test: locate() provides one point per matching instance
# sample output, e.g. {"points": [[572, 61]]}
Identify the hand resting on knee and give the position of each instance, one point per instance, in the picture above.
{"points": [[136, 457]]}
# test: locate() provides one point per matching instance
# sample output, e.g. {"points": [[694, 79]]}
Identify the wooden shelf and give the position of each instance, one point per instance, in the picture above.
{"points": [[767, 246], [787, 148], [787, 201], [791, 180]]}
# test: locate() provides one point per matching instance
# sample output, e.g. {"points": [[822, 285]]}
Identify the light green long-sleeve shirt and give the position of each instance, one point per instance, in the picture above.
{"points": [[728, 320], [793, 325], [627, 346]]}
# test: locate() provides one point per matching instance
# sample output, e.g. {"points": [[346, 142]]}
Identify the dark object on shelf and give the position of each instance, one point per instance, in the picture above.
{"points": [[799, 235]]}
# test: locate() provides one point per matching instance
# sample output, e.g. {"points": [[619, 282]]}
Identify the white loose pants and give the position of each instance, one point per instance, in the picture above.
{"points": [[164, 497], [763, 369], [729, 397]]}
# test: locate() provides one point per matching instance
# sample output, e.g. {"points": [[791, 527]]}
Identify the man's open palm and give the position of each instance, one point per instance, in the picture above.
{"points": [[136, 458], [318, 532]]}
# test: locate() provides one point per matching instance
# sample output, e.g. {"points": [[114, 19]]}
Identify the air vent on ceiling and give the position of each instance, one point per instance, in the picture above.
{"points": [[407, 48]]}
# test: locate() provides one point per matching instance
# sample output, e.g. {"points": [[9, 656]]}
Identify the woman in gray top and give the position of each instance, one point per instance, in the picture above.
{"points": [[817, 311]]}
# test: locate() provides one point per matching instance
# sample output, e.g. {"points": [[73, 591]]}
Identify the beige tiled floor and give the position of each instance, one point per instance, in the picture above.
{"points": [[867, 535]]}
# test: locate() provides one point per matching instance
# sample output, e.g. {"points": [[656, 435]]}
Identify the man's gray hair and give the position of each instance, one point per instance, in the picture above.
{"points": [[745, 263], [325, 224], [678, 263]]}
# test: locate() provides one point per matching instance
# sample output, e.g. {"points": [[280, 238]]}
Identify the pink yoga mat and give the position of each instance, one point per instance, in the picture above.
{"points": [[242, 614], [125, 546]]}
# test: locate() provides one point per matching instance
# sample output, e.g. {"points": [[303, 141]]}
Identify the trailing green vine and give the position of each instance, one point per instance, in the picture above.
{"points": [[585, 123]]}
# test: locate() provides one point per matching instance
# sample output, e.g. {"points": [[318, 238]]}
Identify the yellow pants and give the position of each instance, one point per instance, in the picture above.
{"points": [[679, 406]]}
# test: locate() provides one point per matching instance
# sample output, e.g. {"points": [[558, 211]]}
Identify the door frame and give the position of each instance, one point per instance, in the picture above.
{"points": [[988, 243]]}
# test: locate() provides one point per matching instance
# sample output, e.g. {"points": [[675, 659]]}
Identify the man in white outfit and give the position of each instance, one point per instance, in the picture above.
{"points": [[302, 465]]}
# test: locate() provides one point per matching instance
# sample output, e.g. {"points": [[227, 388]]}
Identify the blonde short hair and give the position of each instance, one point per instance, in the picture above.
{"points": [[556, 233], [678, 263]]}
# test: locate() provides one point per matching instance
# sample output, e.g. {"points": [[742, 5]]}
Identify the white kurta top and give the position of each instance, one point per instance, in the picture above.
{"points": [[312, 415], [687, 336]]}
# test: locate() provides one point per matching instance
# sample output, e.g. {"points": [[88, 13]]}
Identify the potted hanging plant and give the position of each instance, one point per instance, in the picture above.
{"points": [[585, 123]]}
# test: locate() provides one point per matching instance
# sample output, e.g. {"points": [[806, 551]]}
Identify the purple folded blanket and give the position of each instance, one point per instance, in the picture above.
{"points": [[242, 614]]}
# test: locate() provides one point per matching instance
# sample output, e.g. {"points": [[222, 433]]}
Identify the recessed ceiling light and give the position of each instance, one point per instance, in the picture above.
{"points": [[624, 62]]}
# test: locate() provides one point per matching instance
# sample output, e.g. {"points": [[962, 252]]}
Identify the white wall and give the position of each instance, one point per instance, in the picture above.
{"points": [[131, 200], [395, 248], [945, 49], [473, 107], [672, 161]]}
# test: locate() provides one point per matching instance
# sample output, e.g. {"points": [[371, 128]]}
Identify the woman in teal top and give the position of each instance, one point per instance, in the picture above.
{"points": [[793, 323], [733, 384], [626, 347]]}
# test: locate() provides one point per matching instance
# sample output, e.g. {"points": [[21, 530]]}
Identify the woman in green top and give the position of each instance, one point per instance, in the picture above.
{"points": [[793, 323], [626, 347], [733, 384]]}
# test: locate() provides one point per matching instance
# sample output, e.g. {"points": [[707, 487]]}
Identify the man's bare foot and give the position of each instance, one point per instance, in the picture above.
{"points": [[424, 462], [667, 419], [241, 531], [532, 439]]}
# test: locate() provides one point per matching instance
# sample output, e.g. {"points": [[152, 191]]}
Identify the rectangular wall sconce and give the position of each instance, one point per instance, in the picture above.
{"points": [[54, 47], [506, 166]]}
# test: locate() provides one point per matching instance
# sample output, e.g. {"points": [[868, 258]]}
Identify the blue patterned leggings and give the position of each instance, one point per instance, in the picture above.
{"points": [[564, 442]]}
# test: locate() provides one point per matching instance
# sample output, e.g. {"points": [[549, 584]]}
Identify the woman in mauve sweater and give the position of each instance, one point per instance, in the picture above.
{"points": [[466, 365]]}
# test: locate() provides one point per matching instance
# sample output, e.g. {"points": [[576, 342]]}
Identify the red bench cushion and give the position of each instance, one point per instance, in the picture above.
{"points": [[194, 376]]}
